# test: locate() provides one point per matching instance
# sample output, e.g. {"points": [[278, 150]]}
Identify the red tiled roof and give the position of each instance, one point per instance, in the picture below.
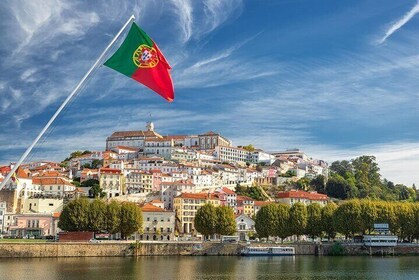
{"points": [[198, 196], [244, 198], [303, 194], [110, 170], [228, 191], [135, 133], [126, 148], [151, 208], [50, 181], [262, 203]]}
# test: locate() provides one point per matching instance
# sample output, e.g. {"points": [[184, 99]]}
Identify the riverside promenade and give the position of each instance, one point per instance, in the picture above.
{"points": [[129, 249]]}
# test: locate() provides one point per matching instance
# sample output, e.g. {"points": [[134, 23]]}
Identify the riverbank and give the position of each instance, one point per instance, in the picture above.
{"points": [[126, 249]]}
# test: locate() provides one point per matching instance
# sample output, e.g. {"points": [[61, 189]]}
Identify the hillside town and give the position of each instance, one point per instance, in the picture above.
{"points": [[169, 177]]}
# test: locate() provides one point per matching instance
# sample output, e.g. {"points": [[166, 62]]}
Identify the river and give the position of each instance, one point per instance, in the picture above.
{"points": [[299, 267]]}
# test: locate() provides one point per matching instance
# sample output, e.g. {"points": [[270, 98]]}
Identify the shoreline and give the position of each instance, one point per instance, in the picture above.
{"points": [[134, 249]]}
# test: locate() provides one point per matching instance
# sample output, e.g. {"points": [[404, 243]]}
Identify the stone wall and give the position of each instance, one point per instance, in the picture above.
{"points": [[121, 249]]}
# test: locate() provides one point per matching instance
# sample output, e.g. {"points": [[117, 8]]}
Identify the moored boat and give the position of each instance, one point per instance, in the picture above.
{"points": [[268, 251]]}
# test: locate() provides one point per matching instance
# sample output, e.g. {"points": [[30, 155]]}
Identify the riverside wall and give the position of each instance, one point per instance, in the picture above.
{"points": [[126, 249]]}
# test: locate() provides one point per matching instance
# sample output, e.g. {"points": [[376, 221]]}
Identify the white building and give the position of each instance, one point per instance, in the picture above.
{"points": [[245, 227], [169, 190]]}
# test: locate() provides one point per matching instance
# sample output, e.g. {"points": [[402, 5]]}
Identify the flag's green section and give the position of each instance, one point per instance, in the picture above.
{"points": [[122, 61]]}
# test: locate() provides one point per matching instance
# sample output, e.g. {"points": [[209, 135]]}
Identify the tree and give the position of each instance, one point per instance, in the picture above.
{"points": [[74, 216], [226, 223], [319, 184], [131, 219], [405, 217], [205, 220], [266, 220], [282, 229], [97, 215], [347, 218], [113, 214], [342, 168], [96, 191], [249, 148], [327, 214], [368, 215], [298, 218], [338, 187], [314, 219], [303, 184], [89, 183]]}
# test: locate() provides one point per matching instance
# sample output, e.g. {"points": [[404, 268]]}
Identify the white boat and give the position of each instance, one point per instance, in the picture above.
{"points": [[268, 251]]}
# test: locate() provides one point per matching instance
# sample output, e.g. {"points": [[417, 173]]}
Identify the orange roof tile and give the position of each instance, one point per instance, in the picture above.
{"points": [[302, 194], [151, 208], [198, 196]]}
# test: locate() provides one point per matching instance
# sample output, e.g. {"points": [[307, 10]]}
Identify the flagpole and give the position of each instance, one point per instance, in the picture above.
{"points": [[72, 94]]}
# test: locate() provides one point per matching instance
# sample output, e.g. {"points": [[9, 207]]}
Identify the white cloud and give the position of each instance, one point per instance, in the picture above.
{"points": [[219, 11], [183, 9], [399, 23]]}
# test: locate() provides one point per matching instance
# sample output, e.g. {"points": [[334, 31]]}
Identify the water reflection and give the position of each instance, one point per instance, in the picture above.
{"points": [[300, 267]]}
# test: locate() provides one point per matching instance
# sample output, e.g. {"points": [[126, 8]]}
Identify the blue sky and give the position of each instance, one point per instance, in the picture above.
{"points": [[337, 79]]}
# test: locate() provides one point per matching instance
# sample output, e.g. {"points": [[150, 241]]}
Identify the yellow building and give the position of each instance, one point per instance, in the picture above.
{"points": [[186, 206], [112, 182]]}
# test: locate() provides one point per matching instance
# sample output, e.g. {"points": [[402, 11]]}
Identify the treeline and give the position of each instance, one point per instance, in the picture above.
{"points": [[100, 216], [210, 220], [351, 218], [358, 178], [252, 192]]}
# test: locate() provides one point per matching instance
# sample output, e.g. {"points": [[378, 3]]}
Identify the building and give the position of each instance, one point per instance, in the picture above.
{"points": [[54, 185], [158, 224], [227, 197], [41, 204], [187, 204], [139, 182], [245, 227], [209, 140], [159, 147], [294, 196], [245, 205], [112, 182], [2, 216], [169, 190], [36, 225], [134, 139]]}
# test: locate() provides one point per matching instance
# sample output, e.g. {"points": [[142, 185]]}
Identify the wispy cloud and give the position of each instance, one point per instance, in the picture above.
{"points": [[183, 9], [399, 24]]}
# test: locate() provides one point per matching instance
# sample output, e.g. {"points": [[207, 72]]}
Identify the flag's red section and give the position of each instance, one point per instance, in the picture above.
{"points": [[157, 78]]}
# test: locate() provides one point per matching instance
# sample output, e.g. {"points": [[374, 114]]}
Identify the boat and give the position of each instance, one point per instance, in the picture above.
{"points": [[268, 251]]}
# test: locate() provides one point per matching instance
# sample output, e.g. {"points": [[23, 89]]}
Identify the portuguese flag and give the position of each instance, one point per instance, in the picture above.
{"points": [[140, 59]]}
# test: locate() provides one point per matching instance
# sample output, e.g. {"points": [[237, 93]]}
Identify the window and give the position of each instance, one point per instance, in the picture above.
{"points": [[148, 219], [51, 204]]}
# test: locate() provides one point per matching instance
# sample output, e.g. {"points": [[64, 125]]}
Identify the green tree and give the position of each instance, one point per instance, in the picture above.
{"points": [[319, 184], [249, 148], [89, 183], [405, 217], [368, 215], [298, 219], [347, 218], [303, 184], [205, 220], [314, 219], [97, 215], [226, 223], [74, 216], [327, 224], [282, 216], [96, 191], [131, 219], [113, 217], [367, 175], [266, 222], [342, 168]]}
